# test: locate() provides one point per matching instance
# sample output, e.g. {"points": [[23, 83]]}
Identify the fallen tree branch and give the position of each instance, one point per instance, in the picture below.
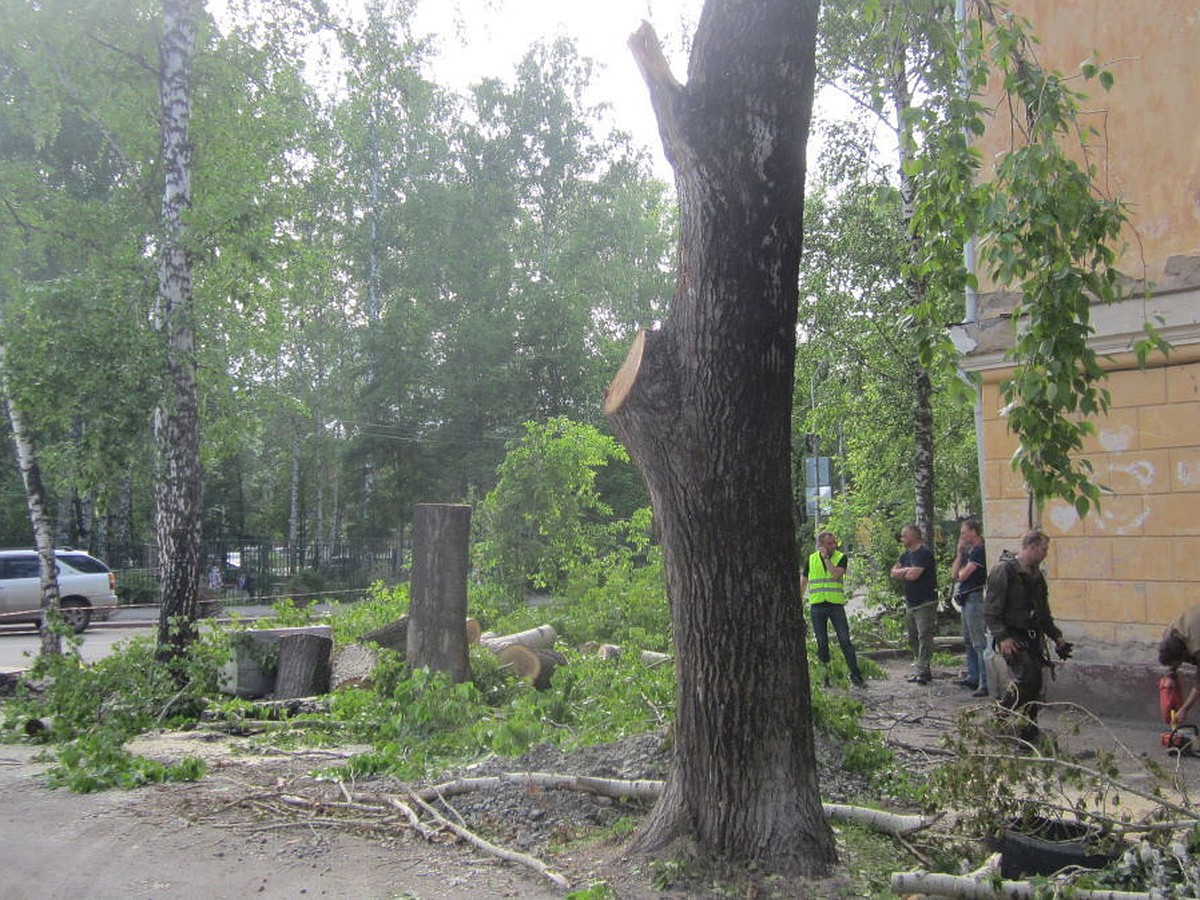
{"points": [[984, 887], [615, 788], [414, 821], [649, 790], [879, 820], [522, 859], [1096, 775]]}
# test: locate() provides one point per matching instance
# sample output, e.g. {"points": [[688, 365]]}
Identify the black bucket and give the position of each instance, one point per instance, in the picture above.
{"points": [[1043, 846]]}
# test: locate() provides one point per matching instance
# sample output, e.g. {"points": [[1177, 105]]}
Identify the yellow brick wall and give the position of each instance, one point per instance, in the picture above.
{"points": [[1117, 576], [1122, 573]]}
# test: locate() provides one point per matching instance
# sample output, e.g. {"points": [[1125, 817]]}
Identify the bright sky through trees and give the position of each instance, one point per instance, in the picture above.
{"points": [[480, 38]]}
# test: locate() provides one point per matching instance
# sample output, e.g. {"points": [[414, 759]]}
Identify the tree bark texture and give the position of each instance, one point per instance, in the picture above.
{"points": [[923, 437], [704, 406], [304, 666], [437, 615], [35, 502], [176, 419]]}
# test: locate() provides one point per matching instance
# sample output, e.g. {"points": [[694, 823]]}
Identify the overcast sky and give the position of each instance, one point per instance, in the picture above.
{"points": [[487, 37]]}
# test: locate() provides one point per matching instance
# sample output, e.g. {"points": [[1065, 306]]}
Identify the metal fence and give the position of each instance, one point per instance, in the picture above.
{"points": [[264, 572]]}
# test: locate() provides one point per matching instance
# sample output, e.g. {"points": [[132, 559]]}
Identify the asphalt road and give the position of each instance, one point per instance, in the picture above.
{"points": [[19, 644]]}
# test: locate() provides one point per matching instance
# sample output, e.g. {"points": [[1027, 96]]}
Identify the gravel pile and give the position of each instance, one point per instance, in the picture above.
{"points": [[534, 820]]}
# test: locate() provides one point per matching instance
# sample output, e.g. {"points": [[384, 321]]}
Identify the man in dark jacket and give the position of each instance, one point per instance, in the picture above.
{"points": [[1016, 608]]}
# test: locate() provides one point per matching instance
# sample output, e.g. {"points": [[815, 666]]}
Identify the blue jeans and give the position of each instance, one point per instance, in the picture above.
{"points": [[822, 615], [974, 636]]}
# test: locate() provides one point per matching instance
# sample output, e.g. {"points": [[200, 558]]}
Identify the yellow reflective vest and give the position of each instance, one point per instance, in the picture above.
{"points": [[823, 588]]}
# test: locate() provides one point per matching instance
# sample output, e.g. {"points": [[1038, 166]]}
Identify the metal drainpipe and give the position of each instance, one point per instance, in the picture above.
{"points": [[971, 302]]}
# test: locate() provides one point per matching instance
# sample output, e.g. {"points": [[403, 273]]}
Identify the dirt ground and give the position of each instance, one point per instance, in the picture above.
{"points": [[205, 839]]}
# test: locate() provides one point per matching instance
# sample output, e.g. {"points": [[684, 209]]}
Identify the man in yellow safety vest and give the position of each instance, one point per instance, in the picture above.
{"points": [[822, 575]]}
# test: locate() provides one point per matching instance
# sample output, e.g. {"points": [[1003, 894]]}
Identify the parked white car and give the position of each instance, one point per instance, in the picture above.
{"points": [[86, 588]]}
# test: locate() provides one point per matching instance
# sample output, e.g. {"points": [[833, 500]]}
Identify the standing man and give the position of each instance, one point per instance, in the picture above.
{"points": [[969, 574], [1181, 644], [1016, 609], [822, 574], [917, 569]]}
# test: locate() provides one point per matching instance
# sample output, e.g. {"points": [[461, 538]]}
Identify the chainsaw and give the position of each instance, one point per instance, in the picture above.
{"points": [[1181, 740]]}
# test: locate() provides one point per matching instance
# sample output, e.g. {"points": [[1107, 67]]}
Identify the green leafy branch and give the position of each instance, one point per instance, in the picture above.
{"points": [[1046, 233]]}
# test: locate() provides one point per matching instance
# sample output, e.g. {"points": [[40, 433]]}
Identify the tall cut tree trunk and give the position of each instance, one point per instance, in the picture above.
{"points": [[176, 419], [39, 518], [704, 406]]}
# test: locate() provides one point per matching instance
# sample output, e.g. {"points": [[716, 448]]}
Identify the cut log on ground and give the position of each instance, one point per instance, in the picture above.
{"points": [[352, 667], [543, 636], [971, 887], [393, 636], [535, 663], [303, 666]]}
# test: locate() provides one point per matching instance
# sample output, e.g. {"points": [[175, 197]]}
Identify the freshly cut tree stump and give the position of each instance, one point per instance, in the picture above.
{"points": [[437, 633], [304, 666], [252, 671], [535, 663]]}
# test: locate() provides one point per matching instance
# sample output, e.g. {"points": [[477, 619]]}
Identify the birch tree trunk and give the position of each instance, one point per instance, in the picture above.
{"points": [[176, 420], [704, 406], [39, 517], [923, 472]]}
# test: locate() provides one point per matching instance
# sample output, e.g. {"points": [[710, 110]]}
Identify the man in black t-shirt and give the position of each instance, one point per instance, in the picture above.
{"points": [[917, 569]]}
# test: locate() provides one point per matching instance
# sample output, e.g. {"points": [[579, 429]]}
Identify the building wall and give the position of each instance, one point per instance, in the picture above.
{"points": [[1146, 145], [1119, 575]]}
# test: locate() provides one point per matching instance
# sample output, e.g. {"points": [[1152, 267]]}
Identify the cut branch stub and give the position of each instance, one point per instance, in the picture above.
{"points": [[621, 384]]}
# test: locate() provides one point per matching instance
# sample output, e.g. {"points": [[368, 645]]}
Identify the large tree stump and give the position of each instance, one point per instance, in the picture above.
{"points": [[304, 666], [437, 633], [252, 670]]}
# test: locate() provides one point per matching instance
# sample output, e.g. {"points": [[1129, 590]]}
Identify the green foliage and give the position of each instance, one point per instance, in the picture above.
{"points": [[597, 891], [286, 613], [545, 517], [1167, 868], [995, 780], [382, 606], [1047, 233], [97, 762], [305, 584], [91, 710], [419, 722]]}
